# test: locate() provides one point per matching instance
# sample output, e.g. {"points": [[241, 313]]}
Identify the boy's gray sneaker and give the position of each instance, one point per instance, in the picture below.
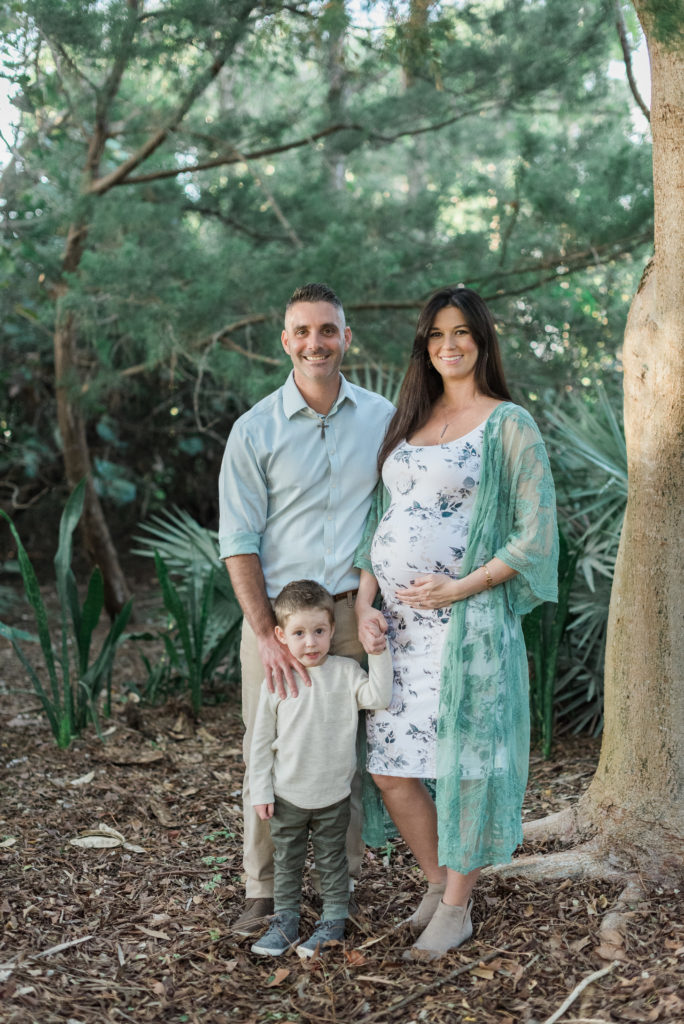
{"points": [[281, 936], [326, 935]]}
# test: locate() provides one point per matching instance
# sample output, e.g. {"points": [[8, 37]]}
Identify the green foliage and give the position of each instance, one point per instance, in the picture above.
{"points": [[488, 143], [543, 629], [589, 460], [188, 649], [202, 642], [71, 699], [666, 20]]}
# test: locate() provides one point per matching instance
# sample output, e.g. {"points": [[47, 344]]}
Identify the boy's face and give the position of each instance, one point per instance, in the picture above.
{"points": [[307, 635]]}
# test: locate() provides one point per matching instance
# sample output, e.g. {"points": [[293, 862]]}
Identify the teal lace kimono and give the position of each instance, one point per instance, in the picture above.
{"points": [[484, 688]]}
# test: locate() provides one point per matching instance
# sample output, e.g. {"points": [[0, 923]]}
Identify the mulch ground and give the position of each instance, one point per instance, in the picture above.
{"points": [[141, 932]]}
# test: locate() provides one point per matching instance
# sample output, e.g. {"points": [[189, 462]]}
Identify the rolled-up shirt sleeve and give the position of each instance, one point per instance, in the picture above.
{"points": [[243, 497]]}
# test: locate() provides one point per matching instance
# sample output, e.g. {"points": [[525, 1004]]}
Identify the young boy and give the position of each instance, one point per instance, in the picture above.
{"points": [[302, 760]]}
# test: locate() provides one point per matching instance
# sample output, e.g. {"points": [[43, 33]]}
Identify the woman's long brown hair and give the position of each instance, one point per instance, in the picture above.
{"points": [[422, 385]]}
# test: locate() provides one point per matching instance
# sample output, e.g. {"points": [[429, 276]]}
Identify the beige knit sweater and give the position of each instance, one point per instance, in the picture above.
{"points": [[304, 748]]}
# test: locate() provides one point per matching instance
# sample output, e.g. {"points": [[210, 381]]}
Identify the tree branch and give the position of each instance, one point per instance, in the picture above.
{"points": [[627, 54], [231, 222], [578, 989], [275, 206], [235, 157], [122, 172]]}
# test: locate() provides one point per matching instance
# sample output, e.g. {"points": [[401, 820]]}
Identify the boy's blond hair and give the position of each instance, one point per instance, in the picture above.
{"points": [[299, 596]]}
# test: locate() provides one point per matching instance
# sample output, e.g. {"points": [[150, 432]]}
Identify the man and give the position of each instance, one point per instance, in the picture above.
{"points": [[296, 482]]}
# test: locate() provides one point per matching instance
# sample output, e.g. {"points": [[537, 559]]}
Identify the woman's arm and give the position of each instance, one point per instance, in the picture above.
{"points": [[435, 590], [371, 622]]}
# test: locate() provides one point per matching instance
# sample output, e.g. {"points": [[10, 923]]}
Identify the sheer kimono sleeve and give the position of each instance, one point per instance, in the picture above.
{"points": [[531, 544], [379, 506]]}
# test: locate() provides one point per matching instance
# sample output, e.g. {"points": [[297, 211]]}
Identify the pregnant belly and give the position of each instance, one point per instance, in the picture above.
{"points": [[398, 560]]}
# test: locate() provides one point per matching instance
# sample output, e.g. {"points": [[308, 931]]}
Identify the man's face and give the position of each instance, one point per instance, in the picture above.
{"points": [[315, 338]]}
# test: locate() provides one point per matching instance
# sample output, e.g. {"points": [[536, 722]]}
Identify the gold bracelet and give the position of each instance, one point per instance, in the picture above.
{"points": [[490, 581]]}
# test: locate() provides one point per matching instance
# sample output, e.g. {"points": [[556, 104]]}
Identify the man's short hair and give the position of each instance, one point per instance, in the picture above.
{"points": [[314, 292], [299, 596]]}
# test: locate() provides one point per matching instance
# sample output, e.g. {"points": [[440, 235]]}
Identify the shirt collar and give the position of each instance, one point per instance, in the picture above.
{"points": [[293, 400]]}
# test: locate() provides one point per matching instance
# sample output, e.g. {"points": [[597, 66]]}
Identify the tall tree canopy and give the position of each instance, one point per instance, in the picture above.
{"points": [[178, 168]]}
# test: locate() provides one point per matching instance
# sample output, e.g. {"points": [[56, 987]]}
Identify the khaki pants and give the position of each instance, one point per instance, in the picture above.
{"points": [[257, 845]]}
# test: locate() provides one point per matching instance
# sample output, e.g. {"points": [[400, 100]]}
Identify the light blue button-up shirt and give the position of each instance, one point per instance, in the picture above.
{"points": [[295, 487]]}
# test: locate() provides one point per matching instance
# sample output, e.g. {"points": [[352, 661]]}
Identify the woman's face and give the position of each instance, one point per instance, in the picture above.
{"points": [[451, 347]]}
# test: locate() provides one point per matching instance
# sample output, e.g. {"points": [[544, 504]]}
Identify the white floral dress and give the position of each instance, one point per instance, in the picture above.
{"points": [[425, 530]]}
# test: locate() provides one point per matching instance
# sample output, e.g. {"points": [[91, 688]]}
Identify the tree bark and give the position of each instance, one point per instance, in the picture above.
{"points": [[95, 532], [639, 781], [635, 803]]}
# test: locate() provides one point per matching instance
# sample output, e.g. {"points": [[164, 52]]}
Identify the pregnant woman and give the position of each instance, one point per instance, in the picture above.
{"points": [[462, 541]]}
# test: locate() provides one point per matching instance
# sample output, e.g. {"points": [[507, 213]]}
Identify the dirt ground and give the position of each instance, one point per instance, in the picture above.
{"points": [[141, 932]]}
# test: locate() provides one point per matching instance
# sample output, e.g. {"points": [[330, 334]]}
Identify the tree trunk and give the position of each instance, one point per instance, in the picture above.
{"points": [[634, 805], [639, 780], [95, 532]]}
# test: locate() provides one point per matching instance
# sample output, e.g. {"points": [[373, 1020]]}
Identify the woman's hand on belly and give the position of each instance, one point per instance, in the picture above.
{"points": [[434, 590]]}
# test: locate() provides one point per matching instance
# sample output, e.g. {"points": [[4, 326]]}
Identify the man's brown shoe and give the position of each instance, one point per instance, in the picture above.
{"points": [[253, 918]]}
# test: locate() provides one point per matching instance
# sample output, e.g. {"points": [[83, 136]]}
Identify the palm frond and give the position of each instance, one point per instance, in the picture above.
{"points": [[589, 459]]}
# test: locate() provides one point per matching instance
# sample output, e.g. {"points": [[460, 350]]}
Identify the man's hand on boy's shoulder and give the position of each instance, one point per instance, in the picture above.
{"points": [[281, 668]]}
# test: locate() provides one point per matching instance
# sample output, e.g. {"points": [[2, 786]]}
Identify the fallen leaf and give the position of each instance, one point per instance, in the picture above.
{"points": [[183, 728], [83, 780], [21, 722], [354, 958], [278, 978], [104, 838], [578, 945], [607, 951], [96, 842], [509, 968], [10, 841], [123, 755], [611, 936], [205, 736], [162, 814], [483, 972], [151, 933]]}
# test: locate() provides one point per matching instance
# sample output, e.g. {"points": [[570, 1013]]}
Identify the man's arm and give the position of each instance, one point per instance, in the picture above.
{"points": [[247, 578]]}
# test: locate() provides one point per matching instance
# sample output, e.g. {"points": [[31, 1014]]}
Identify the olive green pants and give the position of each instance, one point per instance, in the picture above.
{"points": [[290, 830]]}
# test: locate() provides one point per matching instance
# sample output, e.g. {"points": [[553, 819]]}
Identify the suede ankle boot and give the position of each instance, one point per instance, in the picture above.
{"points": [[421, 917], [449, 927]]}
